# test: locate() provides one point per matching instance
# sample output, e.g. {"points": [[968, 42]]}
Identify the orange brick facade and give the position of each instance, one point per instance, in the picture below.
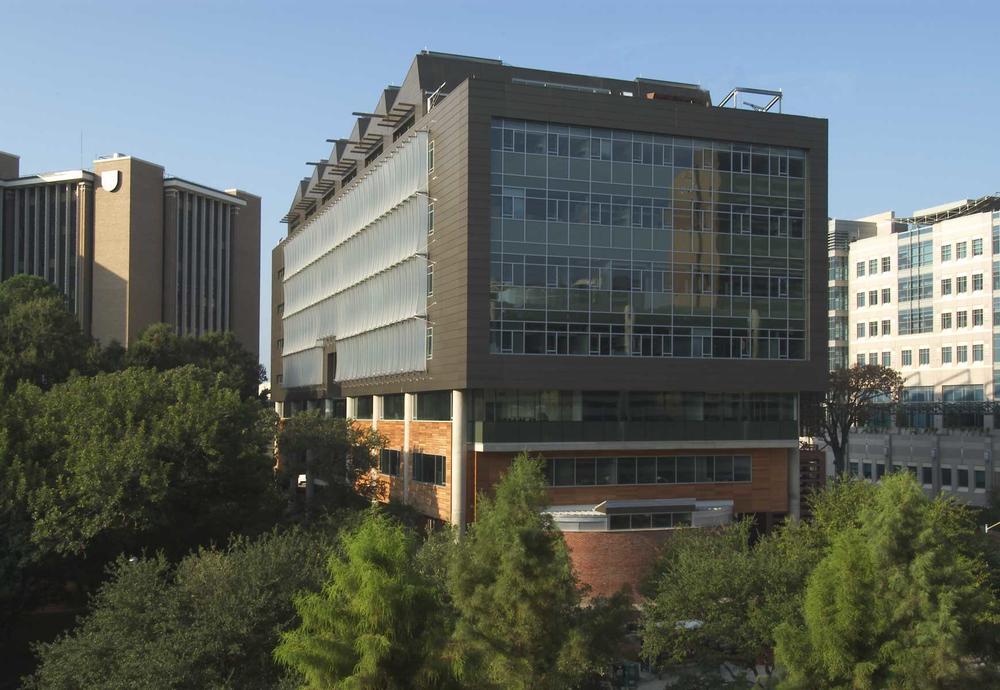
{"points": [[425, 437], [608, 561]]}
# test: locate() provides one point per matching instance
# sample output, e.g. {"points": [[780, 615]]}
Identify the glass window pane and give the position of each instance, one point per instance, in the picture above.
{"points": [[641, 521], [723, 468], [626, 470], [565, 471], [619, 522], [661, 520], [685, 470], [585, 471], [646, 470], [665, 471], [606, 471], [682, 519], [741, 468], [704, 468]]}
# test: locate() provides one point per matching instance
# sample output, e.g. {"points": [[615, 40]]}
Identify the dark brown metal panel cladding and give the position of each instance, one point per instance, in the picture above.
{"points": [[488, 99]]}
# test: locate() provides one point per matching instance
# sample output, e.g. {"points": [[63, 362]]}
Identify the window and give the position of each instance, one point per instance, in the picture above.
{"points": [[977, 353], [919, 287], [430, 218], [946, 477], [872, 297], [887, 359], [977, 317], [977, 281], [945, 355], [886, 264], [861, 329], [873, 328], [915, 321], [872, 266], [946, 320], [962, 318], [861, 360], [977, 247], [388, 462], [927, 475], [430, 342], [960, 248], [946, 252], [907, 358], [280, 344], [430, 156], [434, 405], [961, 284], [363, 407], [866, 470], [979, 477], [861, 299], [962, 353], [962, 473], [873, 358], [623, 521], [392, 406], [861, 269], [886, 327], [946, 286], [886, 295], [428, 468], [925, 355], [648, 470], [430, 279], [852, 469]]}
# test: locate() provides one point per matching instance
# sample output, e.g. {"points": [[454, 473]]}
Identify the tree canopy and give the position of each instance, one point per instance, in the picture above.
{"points": [[521, 622], [377, 624], [140, 458], [210, 621], [159, 347], [898, 601], [849, 402], [40, 338]]}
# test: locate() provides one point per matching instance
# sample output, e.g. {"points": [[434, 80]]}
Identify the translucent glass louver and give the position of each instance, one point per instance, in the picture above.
{"points": [[358, 273], [395, 349]]}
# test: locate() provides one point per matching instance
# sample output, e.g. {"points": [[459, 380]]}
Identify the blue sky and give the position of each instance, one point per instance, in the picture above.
{"points": [[242, 94]]}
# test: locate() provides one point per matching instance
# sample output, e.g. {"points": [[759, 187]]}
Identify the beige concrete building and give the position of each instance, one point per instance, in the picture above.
{"points": [[922, 295], [130, 247]]}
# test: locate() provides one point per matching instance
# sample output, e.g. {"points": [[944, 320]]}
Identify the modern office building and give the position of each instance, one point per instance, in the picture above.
{"points": [[922, 295], [617, 275], [130, 247]]}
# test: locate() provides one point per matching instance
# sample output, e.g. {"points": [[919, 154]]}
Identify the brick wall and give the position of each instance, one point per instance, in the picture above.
{"points": [[608, 561], [426, 437]]}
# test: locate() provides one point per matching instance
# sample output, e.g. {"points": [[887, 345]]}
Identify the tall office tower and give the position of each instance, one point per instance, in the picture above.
{"points": [[616, 275], [922, 295], [130, 247]]}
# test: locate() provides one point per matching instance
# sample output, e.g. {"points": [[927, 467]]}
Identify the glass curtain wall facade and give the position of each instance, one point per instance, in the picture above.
{"points": [[622, 244], [39, 226], [204, 264]]}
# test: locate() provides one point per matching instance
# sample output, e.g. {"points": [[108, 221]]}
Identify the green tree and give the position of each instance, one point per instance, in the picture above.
{"points": [[850, 399], [521, 623], [143, 459], [159, 347], [327, 448], [377, 624], [211, 621], [40, 339], [899, 601], [716, 598]]}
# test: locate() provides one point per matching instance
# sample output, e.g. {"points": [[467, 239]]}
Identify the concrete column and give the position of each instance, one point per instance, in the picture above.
{"points": [[351, 408], [794, 484], [328, 407], [458, 460], [406, 459], [376, 410]]}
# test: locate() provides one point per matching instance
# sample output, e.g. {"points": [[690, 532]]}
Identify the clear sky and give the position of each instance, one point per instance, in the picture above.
{"points": [[244, 93]]}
